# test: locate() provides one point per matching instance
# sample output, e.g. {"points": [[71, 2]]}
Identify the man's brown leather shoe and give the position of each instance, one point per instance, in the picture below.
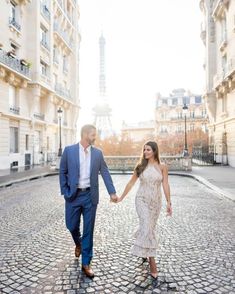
{"points": [[88, 271], [78, 250]]}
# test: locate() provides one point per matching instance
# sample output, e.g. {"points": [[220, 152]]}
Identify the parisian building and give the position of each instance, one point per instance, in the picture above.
{"points": [[138, 132], [170, 116], [39, 75], [218, 36]]}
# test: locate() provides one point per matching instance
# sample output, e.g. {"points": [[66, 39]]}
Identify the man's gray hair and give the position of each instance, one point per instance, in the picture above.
{"points": [[87, 128]]}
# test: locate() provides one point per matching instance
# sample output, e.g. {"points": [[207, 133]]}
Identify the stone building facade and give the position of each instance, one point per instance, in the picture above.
{"points": [[39, 74], [170, 117], [218, 36]]}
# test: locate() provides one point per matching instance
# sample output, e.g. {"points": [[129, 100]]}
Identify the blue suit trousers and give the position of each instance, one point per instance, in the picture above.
{"points": [[81, 205]]}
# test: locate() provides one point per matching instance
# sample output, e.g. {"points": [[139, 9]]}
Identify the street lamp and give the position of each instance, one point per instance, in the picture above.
{"points": [[59, 112], [185, 152]]}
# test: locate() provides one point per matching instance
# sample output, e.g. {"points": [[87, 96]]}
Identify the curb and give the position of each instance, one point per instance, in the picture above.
{"points": [[207, 184], [28, 178]]}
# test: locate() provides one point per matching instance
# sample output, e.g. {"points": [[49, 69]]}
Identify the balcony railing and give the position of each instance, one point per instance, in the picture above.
{"points": [[63, 35], [39, 116], [45, 44], [62, 7], [218, 78], [14, 109], [231, 66], [14, 23], [13, 63], [127, 163], [45, 11], [60, 90]]}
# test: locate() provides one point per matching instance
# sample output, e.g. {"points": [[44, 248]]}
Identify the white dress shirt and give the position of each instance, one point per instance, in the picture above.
{"points": [[85, 164]]}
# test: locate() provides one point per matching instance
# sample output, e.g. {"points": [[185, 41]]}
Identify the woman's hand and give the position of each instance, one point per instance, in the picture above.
{"points": [[169, 209], [119, 199]]}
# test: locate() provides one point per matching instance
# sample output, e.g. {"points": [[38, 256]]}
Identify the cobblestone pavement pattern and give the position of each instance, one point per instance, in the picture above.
{"points": [[37, 254]]}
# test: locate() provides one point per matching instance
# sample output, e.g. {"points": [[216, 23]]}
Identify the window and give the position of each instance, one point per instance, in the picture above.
{"points": [[27, 142], [65, 63], [14, 140], [180, 114], [223, 30], [55, 79], [14, 16], [179, 128], [192, 127], [224, 64], [12, 96], [192, 114], [174, 101], [164, 101], [13, 10], [44, 68], [203, 112], [55, 55], [44, 37], [224, 104], [198, 99], [48, 143], [186, 100], [163, 129]]}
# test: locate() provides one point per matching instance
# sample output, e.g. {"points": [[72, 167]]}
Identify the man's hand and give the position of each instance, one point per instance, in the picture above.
{"points": [[113, 198]]}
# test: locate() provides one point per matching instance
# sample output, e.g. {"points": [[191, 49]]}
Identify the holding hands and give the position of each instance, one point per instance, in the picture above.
{"points": [[115, 199]]}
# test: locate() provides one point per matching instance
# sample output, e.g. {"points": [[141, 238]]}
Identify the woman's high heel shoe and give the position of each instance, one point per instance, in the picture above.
{"points": [[144, 259]]}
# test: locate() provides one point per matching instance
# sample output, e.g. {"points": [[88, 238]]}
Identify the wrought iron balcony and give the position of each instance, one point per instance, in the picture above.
{"points": [[39, 116], [13, 63], [14, 23], [14, 109], [63, 35], [45, 44], [60, 90], [45, 11]]}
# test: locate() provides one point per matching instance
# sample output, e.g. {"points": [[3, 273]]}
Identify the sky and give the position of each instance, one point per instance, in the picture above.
{"points": [[151, 46]]}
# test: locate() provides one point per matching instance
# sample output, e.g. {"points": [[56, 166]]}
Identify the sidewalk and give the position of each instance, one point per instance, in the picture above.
{"points": [[219, 178], [9, 177]]}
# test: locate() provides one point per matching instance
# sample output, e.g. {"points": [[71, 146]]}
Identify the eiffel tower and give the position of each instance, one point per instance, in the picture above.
{"points": [[102, 110]]}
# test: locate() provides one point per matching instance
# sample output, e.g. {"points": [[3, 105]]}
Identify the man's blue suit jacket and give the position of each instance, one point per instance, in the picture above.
{"points": [[70, 171]]}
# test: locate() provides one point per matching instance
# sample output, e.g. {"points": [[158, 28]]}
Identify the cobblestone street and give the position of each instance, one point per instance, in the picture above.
{"points": [[196, 253]]}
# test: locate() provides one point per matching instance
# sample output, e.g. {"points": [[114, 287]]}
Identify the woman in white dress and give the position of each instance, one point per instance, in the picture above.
{"points": [[152, 174]]}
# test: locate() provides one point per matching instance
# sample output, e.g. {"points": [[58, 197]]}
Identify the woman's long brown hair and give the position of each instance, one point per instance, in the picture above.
{"points": [[143, 162]]}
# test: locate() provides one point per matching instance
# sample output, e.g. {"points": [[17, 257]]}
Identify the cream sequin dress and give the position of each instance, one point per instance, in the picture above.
{"points": [[148, 205]]}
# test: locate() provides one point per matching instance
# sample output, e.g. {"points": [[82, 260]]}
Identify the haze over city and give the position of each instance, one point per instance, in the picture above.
{"points": [[151, 46]]}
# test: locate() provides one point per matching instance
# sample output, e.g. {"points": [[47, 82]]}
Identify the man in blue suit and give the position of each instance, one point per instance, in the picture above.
{"points": [[79, 169]]}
